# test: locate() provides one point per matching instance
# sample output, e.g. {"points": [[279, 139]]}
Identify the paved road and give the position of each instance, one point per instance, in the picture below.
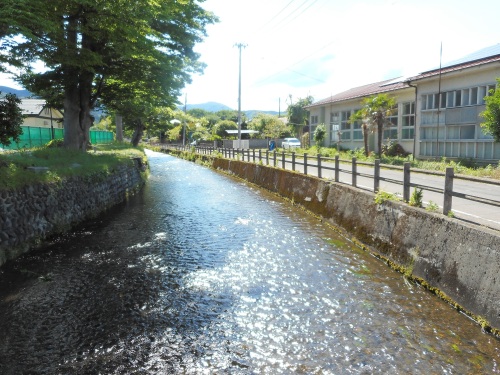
{"points": [[463, 209]]}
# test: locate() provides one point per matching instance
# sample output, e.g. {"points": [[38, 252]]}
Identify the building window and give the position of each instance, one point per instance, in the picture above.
{"points": [[314, 119], [408, 120], [357, 131], [334, 126], [345, 127], [391, 130], [458, 98]]}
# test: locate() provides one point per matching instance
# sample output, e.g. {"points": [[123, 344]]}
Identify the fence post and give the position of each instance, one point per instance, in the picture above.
{"points": [[337, 168], [376, 176], [448, 190], [293, 160], [319, 165], [305, 163], [283, 159], [267, 157], [260, 155], [274, 158], [253, 154], [354, 172], [406, 182]]}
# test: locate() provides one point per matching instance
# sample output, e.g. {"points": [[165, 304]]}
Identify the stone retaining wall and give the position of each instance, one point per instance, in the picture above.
{"points": [[35, 212], [458, 261]]}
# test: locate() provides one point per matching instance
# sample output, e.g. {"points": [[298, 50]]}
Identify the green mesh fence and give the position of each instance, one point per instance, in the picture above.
{"points": [[36, 137]]}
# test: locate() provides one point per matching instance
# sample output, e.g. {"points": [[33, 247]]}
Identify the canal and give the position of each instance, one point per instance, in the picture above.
{"points": [[202, 274]]}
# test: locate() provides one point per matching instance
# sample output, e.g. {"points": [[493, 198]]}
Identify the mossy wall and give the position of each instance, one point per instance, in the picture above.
{"points": [[460, 262]]}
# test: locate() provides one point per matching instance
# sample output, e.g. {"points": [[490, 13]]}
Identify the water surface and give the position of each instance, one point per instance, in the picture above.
{"points": [[202, 274]]}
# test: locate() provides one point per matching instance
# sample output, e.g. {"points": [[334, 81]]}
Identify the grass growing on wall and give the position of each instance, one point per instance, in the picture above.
{"points": [[54, 163]]}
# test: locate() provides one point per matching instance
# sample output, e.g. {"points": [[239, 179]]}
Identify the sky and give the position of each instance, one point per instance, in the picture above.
{"points": [[297, 48]]}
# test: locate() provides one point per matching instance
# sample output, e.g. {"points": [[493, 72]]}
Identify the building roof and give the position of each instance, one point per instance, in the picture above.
{"points": [[241, 131], [32, 106], [362, 91], [482, 57]]}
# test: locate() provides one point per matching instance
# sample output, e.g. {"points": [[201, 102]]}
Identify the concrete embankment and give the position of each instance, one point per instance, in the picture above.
{"points": [[33, 213], [458, 261]]}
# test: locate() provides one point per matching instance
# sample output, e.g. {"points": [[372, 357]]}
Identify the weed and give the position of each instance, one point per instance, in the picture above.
{"points": [[383, 196], [432, 207], [451, 213], [416, 198]]}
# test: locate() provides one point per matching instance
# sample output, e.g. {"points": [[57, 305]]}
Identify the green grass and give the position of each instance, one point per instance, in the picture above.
{"points": [[60, 163]]}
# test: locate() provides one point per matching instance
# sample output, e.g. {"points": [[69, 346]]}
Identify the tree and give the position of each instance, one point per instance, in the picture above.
{"points": [[319, 135], [100, 50], [298, 116], [491, 123], [365, 127], [219, 130], [374, 113], [269, 126], [11, 119]]}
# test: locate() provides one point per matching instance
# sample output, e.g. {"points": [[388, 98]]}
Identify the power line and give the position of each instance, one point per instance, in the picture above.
{"points": [[279, 24], [298, 62]]}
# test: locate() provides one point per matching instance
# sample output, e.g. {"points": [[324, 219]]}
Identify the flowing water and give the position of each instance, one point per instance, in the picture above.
{"points": [[202, 274]]}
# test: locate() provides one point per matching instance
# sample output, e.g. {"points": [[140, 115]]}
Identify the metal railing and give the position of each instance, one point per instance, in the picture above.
{"points": [[321, 164]]}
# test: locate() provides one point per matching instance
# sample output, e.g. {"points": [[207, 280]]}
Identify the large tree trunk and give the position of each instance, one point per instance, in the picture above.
{"points": [[77, 93], [77, 119], [85, 123], [71, 117], [138, 132]]}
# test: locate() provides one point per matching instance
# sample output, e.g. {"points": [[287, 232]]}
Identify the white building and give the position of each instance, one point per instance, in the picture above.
{"points": [[445, 101]]}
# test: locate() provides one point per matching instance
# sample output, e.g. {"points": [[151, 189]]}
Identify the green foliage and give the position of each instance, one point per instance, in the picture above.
{"points": [[220, 128], [432, 207], [297, 114], [491, 123], [373, 115], [11, 119], [319, 135], [416, 198], [383, 196], [129, 56], [269, 126]]}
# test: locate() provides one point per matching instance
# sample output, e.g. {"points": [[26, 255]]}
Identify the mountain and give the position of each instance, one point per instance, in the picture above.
{"points": [[215, 107], [20, 93], [209, 106]]}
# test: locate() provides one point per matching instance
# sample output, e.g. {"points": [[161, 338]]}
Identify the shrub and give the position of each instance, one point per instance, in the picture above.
{"points": [[383, 196], [416, 198]]}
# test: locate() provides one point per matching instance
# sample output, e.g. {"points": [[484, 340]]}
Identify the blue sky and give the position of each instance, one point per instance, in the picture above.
{"points": [[323, 47]]}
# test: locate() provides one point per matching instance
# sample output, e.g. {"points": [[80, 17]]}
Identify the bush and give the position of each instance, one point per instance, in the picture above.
{"points": [[416, 198]]}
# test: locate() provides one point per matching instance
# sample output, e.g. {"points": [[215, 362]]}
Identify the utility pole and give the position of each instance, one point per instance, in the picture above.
{"points": [[240, 46], [184, 122]]}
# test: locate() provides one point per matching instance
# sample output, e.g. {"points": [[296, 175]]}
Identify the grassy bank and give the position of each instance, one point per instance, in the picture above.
{"points": [[51, 164]]}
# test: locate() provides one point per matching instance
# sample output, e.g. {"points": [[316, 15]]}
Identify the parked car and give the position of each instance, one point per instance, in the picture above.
{"points": [[289, 143]]}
